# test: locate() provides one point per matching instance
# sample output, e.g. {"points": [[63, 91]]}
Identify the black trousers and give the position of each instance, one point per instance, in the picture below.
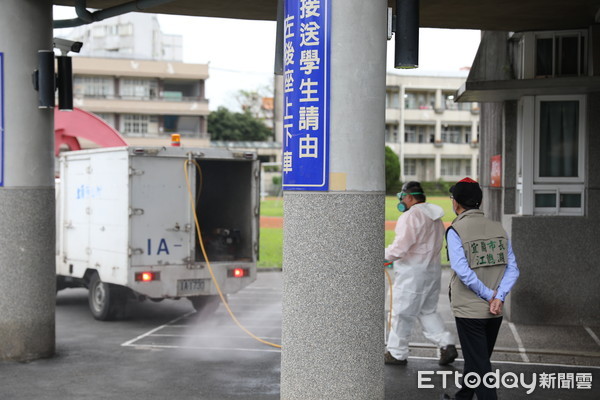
{"points": [[477, 339]]}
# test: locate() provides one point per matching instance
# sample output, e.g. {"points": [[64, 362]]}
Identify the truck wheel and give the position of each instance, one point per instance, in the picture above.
{"points": [[60, 283], [206, 305], [105, 300]]}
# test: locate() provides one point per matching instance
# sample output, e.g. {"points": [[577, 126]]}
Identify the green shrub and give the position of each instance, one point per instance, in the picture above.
{"points": [[437, 188], [392, 170]]}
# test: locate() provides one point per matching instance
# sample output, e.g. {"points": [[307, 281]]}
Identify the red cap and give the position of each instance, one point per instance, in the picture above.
{"points": [[467, 180]]}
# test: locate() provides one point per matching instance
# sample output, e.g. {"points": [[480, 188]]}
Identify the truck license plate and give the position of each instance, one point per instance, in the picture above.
{"points": [[185, 286]]}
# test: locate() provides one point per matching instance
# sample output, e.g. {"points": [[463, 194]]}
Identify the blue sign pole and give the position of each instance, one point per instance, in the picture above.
{"points": [[306, 95]]}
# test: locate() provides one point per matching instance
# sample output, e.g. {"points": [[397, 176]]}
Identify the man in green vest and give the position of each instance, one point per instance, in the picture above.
{"points": [[484, 270]]}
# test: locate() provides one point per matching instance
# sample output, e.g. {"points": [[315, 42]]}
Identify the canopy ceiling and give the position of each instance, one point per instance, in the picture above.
{"points": [[504, 15]]}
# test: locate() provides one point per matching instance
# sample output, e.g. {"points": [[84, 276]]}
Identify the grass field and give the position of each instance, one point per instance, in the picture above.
{"points": [[271, 239]]}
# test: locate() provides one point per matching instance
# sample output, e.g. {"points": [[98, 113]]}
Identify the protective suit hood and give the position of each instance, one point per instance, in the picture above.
{"points": [[431, 211]]}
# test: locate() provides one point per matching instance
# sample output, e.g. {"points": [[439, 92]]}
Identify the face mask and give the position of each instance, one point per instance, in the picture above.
{"points": [[402, 207]]}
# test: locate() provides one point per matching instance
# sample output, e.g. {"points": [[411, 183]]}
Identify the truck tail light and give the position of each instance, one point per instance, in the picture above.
{"points": [[147, 276], [238, 273]]}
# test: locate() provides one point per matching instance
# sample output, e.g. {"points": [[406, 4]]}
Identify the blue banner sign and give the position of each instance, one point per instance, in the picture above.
{"points": [[306, 95], [1, 119]]}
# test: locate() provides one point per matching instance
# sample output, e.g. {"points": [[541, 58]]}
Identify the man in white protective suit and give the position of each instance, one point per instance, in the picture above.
{"points": [[417, 276]]}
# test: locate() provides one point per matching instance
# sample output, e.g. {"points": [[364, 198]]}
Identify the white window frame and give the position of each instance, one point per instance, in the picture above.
{"points": [[581, 144], [557, 190], [529, 183], [529, 48], [412, 166]]}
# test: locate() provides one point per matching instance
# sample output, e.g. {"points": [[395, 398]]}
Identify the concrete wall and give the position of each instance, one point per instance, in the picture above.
{"points": [[509, 157]]}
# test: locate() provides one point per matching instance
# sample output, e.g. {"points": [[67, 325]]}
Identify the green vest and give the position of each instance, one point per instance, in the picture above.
{"points": [[486, 249]]}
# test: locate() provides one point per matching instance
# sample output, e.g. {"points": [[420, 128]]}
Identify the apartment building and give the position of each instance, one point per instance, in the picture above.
{"points": [[434, 136], [130, 75]]}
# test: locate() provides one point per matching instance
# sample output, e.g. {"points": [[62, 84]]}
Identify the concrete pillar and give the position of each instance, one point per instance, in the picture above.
{"points": [[437, 167], [438, 131], [333, 286], [474, 173], [27, 231], [438, 99], [490, 145]]}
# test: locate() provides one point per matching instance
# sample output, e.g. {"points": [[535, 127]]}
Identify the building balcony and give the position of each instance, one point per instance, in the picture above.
{"points": [[132, 105], [447, 149], [139, 68], [445, 115], [392, 115]]}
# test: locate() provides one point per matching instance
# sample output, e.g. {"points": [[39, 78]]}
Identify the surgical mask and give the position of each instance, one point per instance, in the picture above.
{"points": [[402, 207]]}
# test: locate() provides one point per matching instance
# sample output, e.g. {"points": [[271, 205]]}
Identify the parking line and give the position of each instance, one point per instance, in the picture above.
{"points": [[516, 363], [592, 334], [522, 351], [160, 346], [214, 336], [150, 332], [231, 324]]}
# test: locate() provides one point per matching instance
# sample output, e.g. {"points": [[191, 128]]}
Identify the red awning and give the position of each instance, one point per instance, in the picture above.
{"points": [[71, 125]]}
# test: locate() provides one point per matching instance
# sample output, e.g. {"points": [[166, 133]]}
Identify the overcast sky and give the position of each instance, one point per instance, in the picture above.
{"points": [[241, 52]]}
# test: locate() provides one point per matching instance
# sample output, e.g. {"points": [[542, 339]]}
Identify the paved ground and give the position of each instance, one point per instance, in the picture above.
{"points": [[164, 351]]}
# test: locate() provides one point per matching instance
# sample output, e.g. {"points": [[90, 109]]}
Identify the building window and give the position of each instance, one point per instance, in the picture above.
{"points": [[419, 100], [93, 86], [187, 126], [108, 118], [392, 98], [559, 140], [456, 134], [410, 167], [450, 167], [450, 104], [138, 88], [391, 133], [557, 182], [560, 54], [140, 125], [418, 133]]}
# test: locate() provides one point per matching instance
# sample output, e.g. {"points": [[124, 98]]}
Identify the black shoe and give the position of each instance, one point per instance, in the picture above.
{"points": [[448, 354], [389, 359]]}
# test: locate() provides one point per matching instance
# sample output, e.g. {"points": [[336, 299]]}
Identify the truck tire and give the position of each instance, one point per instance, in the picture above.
{"points": [[60, 283], [106, 301], [206, 305]]}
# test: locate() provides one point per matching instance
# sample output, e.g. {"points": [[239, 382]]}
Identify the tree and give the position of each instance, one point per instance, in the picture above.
{"points": [[392, 170], [231, 126], [254, 102]]}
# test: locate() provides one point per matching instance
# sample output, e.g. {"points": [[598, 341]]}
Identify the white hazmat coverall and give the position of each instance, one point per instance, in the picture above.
{"points": [[417, 278]]}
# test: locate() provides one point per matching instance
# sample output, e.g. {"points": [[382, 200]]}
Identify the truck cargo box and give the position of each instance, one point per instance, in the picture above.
{"points": [[126, 222]]}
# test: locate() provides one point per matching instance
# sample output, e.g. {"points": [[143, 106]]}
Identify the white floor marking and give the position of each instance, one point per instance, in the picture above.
{"points": [[158, 346], [230, 324], [214, 336], [592, 334], [517, 363], [150, 332], [513, 328]]}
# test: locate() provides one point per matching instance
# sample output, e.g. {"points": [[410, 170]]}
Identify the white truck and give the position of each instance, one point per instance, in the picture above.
{"points": [[125, 224]]}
